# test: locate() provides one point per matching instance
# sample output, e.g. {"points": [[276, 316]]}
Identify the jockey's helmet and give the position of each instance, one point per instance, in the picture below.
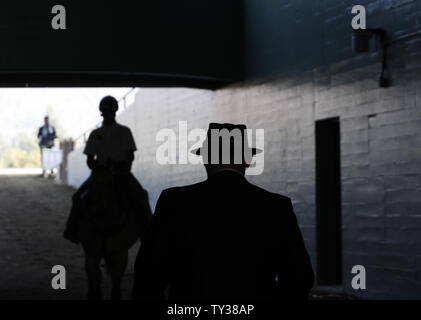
{"points": [[108, 103]]}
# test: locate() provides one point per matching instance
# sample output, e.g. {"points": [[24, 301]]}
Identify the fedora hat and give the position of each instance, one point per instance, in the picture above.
{"points": [[231, 129]]}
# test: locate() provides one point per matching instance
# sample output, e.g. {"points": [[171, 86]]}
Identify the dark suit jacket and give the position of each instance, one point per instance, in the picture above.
{"points": [[47, 141], [223, 238]]}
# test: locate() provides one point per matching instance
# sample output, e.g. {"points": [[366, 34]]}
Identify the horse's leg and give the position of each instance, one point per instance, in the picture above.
{"points": [[117, 263], [94, 251], [93, 273]]}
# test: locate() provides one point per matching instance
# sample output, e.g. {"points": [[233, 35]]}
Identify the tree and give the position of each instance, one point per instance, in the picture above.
{"points": [[60, 131], [25, 142], [22, 153]]}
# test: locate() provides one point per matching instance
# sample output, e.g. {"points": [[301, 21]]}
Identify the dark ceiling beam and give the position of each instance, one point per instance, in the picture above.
{"points": [[104, 79], [148, 43]]}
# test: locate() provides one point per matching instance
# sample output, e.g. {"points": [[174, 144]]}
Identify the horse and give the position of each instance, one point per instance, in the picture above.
{"points": [[113, 214]]}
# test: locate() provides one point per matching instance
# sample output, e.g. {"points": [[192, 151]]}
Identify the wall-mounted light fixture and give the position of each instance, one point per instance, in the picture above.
{"points": [[361, 43]]}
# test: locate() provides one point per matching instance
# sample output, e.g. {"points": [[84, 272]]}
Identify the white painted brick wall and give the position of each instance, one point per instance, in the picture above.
{"points": [[380, 158]]}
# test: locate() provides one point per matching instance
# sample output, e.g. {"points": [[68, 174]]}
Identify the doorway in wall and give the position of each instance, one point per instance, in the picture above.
{"points": [[328, 202]]}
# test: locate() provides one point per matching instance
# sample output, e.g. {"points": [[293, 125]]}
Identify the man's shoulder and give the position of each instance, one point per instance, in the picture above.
{"points": [[96, 131], [180, 195], [268, 194], [116, 126], [183, 189], [121, 127], [257, 191], [122, 131], [275, 207]]}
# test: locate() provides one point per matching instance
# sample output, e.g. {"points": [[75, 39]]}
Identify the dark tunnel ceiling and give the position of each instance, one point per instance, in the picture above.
{"points": [[122, 43]]}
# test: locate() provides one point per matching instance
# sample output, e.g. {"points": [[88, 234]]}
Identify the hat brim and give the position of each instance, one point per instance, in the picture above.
{"points": [[254, 151]]}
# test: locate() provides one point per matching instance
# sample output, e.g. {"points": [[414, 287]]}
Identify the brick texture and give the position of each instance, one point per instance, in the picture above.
{"points": [[380, 160], [380, 138]]}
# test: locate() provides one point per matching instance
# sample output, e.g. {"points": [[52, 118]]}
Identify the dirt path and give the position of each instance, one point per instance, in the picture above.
{"points": [[33, 212]]}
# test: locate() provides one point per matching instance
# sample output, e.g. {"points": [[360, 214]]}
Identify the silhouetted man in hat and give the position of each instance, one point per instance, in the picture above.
{"points": [[223, 238]]}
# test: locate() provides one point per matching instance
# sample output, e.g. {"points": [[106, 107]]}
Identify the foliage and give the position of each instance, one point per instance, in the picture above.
{"points": [[24, 152], [54, 121]]}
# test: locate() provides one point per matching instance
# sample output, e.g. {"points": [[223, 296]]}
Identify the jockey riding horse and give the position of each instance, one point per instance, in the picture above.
{"points": [[111, 209]]}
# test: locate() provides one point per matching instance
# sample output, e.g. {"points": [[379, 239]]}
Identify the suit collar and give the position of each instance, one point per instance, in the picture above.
{"points": [[226, 173], [226, 169]]}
